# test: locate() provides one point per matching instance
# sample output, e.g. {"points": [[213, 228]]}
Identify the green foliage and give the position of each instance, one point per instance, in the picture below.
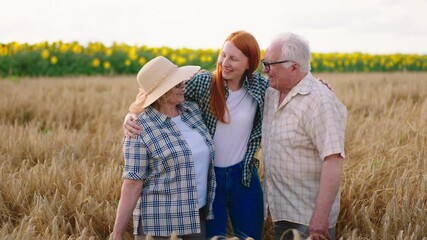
{"points": [[64, 59]]}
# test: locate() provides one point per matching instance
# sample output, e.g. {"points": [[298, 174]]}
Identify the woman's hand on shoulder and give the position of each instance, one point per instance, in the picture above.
{"points": [[328, 85], [130, 126]]}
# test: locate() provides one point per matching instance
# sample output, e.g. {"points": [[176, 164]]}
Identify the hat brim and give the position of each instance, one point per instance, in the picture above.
{"points": [[179, 75]]}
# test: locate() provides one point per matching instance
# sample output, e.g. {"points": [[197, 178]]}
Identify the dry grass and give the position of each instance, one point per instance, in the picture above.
{"points": [[60, 156]]}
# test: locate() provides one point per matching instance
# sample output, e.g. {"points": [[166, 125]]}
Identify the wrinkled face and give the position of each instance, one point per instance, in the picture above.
{"points": [[234, 63], [174, 96], [279, 77]]}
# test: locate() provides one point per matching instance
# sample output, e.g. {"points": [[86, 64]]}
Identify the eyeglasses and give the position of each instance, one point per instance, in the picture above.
{"points": [[267, 65], [179, 84]]}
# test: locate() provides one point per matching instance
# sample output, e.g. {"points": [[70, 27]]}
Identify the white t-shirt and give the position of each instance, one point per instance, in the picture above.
{"points": [[201, 157], [231, 139]]}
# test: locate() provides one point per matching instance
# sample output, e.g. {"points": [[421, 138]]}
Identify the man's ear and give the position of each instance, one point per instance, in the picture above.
{"points": [[295, 68]]}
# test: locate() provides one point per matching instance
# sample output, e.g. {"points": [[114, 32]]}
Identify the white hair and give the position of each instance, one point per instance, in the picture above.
{"points": [[295, 48]]}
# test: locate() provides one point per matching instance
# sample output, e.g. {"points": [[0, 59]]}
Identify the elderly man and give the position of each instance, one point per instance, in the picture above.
{"points": [[303, 143]]}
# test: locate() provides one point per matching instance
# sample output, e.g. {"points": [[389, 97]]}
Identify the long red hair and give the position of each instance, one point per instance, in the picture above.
{"points": [[246, 43]]}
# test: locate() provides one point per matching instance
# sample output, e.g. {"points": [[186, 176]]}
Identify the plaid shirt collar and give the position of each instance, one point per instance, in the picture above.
{"points": [[304, 86], [153, 113]]}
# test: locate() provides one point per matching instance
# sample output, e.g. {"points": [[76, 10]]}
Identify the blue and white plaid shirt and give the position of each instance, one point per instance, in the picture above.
{"points": [[198, 90], [162, 159]]}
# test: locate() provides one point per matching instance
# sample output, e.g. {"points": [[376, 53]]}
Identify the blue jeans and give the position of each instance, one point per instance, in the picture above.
{"points": [[244, 204]]}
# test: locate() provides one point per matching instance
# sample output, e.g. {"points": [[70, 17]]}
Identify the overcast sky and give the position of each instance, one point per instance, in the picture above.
{"points": [[371, 26]]}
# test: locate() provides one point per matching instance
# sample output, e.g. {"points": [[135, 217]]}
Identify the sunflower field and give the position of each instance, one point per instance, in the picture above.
{"points": [[95, 58]]}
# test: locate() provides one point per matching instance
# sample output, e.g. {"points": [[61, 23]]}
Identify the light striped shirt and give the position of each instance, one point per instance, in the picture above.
{"points": [[162, 158], [308, 126]]}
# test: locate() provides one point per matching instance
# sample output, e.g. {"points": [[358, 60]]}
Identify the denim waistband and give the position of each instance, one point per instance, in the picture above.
{"points": [[234, 168]]}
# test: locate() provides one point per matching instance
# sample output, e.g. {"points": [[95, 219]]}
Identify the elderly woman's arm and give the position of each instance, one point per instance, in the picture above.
{"points": [[131, 191]]}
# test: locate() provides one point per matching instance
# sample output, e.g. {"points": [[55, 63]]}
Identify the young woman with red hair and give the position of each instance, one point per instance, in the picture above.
{"points": [[231, 99]]}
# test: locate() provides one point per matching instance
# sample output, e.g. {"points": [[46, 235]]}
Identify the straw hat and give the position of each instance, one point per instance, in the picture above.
{"points": [[159, 76]]}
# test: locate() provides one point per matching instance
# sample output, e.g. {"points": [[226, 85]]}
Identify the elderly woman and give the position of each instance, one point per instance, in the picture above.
{"points": [[169, 167]]}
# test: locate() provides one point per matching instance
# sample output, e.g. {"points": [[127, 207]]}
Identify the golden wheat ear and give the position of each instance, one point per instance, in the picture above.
{"points": [[149, 237], [294, 232], [174, 236], [220, 237]]}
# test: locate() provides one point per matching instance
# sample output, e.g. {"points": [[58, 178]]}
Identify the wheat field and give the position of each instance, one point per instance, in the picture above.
{"points": [[60, 156]]}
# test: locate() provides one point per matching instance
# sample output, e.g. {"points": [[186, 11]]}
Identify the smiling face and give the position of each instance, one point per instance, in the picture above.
{"points": [[277, 73], [280, 77], [233, 62], [174, 96]]}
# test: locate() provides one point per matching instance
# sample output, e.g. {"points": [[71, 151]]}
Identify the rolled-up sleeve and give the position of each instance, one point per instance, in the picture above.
{"points": [[136, 159]]}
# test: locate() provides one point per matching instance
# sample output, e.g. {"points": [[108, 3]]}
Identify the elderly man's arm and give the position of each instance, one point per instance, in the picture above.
{"points": [[330, 182], [131, 191]]}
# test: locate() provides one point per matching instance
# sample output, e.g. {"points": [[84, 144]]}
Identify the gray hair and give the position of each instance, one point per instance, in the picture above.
{"points": [[295, 48]]}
